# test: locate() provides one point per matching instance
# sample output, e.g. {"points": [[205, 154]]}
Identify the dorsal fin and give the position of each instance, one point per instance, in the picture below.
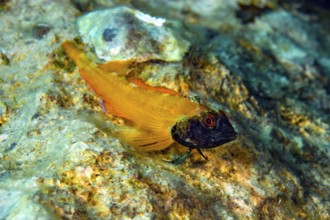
{"points": [[118, 66], [140, 83]]}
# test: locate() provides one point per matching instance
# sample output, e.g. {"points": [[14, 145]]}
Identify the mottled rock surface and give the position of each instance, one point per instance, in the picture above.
{"points": [[265, 63], [122, 33]]}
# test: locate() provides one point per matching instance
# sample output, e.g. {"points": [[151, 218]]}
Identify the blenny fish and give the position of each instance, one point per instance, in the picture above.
{"points": [[157, 116]]}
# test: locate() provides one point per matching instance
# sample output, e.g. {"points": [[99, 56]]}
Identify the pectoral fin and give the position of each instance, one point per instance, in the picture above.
{"points": [[144, 140]]}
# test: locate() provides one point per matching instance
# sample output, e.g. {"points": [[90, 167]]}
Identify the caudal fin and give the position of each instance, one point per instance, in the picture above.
{"points": [[76, 54]]}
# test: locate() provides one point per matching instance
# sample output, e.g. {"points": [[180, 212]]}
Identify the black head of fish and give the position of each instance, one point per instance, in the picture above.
{"points": [[208, 130]]}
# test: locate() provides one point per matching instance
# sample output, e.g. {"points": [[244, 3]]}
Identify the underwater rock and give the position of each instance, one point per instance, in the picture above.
{"points": [[215, 14], [58, 159], [3, 113], [4, 60], [39, 31], [122, 33]]}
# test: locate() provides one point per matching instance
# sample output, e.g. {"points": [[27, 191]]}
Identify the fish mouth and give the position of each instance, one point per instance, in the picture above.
{"points": [[229, 136]]}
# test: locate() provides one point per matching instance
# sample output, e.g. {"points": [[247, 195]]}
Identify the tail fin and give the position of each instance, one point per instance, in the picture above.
{"points": [[76, 54], [81, 60]]}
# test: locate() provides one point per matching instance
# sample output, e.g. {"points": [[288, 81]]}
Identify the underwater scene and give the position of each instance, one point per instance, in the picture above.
{"points": [[165, 109]]}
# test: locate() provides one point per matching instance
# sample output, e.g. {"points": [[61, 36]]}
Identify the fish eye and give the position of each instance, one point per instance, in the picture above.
{"points": [[209, 121]]}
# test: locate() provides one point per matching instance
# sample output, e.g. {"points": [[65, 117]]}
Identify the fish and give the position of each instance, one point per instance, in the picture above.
{"points": [[156, 117]]}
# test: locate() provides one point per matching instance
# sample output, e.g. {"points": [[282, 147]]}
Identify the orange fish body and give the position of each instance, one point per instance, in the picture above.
{"points": [[151, 111]]}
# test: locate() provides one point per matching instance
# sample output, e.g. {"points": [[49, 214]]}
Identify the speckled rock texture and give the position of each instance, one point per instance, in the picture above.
{"points": [[265, 63], [122, 33]]}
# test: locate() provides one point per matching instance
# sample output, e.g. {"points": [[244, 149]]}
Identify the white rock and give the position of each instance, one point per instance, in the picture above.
{"points": [[122, 33]]}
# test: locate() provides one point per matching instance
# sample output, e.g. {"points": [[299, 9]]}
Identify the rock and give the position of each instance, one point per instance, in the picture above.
{"points": [[123, 33], [58, 159]]}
